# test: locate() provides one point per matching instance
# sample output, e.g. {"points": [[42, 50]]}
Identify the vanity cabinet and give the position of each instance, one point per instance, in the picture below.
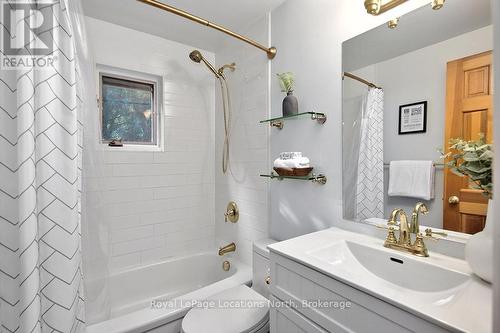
{"points": [[285, 319], [355, 310]]}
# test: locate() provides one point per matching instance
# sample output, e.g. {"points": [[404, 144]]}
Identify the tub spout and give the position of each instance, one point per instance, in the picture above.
{"points": [[226, 249]]}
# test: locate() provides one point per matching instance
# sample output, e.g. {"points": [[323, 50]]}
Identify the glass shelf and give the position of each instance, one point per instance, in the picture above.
{"points": [[319, 179], [280, 121]]}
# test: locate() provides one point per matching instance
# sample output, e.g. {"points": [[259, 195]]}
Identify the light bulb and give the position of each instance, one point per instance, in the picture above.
{"points": [[437, 4]]}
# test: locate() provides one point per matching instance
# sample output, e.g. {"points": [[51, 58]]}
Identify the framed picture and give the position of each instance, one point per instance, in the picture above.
{"points": [[413, 118]]}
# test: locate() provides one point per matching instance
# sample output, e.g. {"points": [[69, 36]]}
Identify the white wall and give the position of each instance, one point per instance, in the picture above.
{"points": [[145, 206], [413, 77], [248, 144], [496, 227], [314, 53]]}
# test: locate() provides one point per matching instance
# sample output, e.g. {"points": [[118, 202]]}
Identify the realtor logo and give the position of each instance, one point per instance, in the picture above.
{"points": [[26, 37]]}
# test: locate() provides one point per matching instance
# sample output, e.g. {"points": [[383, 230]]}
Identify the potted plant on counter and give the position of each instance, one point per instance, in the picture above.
{"points": [[474, 160], [290, 102]]}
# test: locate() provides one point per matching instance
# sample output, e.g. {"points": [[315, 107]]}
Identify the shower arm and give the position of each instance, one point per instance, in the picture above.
{"points": [[271, 52], [211, 67]]}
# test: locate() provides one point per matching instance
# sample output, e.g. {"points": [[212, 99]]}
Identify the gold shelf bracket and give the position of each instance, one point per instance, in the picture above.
{"points": [[319, 117], [314, 178], [319, 179], [277, 123]]}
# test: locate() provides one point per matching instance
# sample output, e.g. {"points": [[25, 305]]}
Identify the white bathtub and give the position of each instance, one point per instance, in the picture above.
{"points": [[195, 277]]}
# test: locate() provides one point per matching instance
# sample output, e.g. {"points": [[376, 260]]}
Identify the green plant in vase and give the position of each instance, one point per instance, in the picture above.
{"points": [[290, 102], [474, 160]]}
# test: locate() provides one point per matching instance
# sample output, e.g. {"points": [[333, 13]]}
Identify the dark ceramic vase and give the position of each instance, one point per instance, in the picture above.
{"points": [[290, 105]]}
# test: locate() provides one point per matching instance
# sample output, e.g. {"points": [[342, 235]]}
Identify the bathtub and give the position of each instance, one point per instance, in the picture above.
{"points": [[179, 280]]}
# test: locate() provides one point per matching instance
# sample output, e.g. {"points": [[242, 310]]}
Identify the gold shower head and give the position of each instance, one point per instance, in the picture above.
{"points": [[197, 57]]}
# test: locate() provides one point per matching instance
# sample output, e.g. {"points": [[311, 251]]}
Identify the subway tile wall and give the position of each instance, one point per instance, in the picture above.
{"points": [[146, 206], [249, 144]]}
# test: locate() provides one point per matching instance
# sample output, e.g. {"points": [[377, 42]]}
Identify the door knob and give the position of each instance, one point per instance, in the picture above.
{"points": [[453, 200]]}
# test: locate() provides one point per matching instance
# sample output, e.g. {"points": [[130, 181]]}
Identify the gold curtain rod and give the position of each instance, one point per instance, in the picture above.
{"points": [[271, 52], [357, 78]]}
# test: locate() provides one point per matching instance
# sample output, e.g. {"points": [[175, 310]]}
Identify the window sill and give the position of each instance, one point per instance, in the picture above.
{"points": [[134, 148]]}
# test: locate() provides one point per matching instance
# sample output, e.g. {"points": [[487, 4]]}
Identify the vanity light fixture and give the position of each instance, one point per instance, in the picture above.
{"points": [[392, 24], [437, 4], [377, 7]]}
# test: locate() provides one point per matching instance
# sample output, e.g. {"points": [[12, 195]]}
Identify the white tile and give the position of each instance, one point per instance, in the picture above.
{"points": [[127, 234], [178, 191], [131, 195], [137, 245], [126, 157], [123, 261], [168, 228]]}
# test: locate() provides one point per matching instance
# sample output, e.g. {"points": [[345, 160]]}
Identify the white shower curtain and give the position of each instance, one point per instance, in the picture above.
{"points": [[370, 172], [40, 157]]}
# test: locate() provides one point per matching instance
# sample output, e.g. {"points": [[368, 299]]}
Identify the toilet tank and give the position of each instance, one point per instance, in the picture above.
{"points": [[260, 265]]}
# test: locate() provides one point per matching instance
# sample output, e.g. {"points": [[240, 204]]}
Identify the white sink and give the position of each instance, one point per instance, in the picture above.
{"points": [[438, 288], [414, 274]]}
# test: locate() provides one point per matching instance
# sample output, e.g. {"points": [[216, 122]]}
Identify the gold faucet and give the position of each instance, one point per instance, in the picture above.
{"points": [[404, 243], [404, 228], [226, 249], [420, 207]]}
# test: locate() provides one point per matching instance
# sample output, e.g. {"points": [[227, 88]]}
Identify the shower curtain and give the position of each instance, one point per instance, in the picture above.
{"points": [[370, 171], [41, 286]]}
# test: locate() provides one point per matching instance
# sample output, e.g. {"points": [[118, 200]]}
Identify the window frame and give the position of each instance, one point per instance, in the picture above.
{"points": [[141, 78]]}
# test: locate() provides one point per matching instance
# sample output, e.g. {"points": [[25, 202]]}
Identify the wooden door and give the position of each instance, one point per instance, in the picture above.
{"points": [[469, 111]]}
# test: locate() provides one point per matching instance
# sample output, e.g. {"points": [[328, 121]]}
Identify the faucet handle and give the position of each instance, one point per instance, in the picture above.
{"points": [[391, 236], [419, 246], [387, 226], [431, 234]]}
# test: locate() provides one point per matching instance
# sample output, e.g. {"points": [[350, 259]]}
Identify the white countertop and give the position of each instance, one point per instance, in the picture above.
{"points": [[465, 308]]}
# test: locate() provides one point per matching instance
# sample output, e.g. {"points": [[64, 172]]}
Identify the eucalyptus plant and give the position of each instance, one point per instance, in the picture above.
{"points": [[472, 159], [287, 81]]}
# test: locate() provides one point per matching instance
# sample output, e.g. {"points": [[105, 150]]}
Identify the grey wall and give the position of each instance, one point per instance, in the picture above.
{"points": [[313, 52]]}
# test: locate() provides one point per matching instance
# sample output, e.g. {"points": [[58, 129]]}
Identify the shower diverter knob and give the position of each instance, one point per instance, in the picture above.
{"points": [[232, 213]]}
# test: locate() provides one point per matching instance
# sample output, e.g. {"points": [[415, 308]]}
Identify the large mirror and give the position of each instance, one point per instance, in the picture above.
{"points": [[407, 91]]}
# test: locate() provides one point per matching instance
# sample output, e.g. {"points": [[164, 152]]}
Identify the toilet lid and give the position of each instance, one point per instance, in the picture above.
{"points": [[236, 310]]}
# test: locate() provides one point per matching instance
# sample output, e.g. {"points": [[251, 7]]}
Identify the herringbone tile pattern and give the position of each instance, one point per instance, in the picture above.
{"points": [[370, 178], [40, 251]]}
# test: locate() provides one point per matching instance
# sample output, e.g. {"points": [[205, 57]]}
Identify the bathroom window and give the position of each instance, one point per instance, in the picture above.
{"points": [[129, 110]]}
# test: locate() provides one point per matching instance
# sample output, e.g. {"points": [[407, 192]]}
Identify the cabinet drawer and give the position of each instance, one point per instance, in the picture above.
{"points": [[295, 283], [286, 320]]}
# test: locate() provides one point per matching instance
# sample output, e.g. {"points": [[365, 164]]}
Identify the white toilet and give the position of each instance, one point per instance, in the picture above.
{"points": [[237, 320]]}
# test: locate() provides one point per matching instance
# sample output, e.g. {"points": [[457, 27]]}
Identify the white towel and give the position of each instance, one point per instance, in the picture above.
{"points": [[301, 162], [413, 179]]}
